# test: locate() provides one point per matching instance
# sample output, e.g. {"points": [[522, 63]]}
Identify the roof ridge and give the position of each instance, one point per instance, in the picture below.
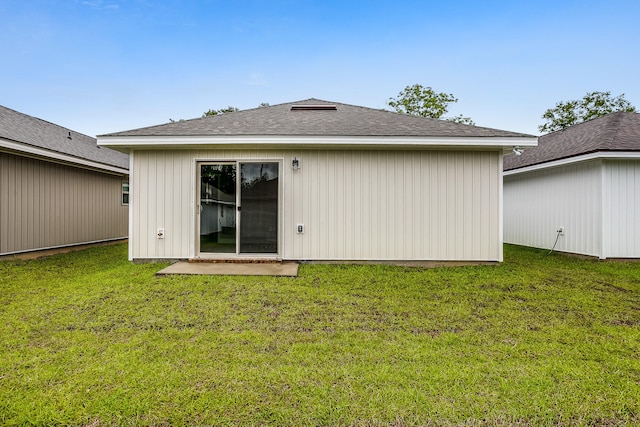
{"points": [[31, 131], [613, 128], [46, 121], [351, 120], [617, 131]]}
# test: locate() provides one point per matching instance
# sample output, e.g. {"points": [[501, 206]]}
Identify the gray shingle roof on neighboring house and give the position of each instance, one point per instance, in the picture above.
{"points": [[614, 132], [344, 120], [25, 129]]}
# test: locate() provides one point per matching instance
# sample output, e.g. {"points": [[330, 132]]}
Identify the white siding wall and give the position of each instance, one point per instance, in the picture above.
{"points": [[162, 196], [45, 205], [537, 203], [621, 216], [355, 205]]}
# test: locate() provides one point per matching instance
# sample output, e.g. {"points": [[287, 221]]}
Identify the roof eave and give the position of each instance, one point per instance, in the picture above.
{"points": [[57, 157], [611, 155], [123, 143]]}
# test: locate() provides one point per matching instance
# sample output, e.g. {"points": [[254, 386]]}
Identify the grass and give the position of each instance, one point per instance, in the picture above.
{"points": [[89, 339]]}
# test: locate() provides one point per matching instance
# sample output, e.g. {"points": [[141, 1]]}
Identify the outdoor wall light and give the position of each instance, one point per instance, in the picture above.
{"points": [[295, 164], [517, 151]]}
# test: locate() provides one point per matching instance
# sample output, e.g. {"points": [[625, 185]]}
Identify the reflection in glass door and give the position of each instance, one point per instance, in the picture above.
{"points": [[259, 207], [218, 208]]}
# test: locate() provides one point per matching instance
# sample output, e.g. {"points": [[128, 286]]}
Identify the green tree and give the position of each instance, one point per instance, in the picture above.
{"points": [[418, 100], [591, 106], [229, 109], [212, 112]]}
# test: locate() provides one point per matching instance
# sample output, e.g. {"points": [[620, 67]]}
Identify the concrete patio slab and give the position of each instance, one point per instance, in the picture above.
{"points": [[232, 269]]}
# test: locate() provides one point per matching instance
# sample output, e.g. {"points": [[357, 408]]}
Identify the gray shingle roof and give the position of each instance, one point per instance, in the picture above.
{"points": [[24, 129], [614, 132], [345, 120]]}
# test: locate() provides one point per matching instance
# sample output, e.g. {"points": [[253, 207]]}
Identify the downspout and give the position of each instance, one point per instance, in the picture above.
{"points": [[131, 205], [603, 221], [500, 207]]}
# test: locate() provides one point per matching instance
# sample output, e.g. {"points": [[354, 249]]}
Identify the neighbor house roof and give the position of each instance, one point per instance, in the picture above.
{"points": [[24, 133], [614, 132], [314, 117]]}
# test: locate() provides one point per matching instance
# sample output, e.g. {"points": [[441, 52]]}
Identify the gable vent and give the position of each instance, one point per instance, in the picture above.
{"points": [[314, 107]]}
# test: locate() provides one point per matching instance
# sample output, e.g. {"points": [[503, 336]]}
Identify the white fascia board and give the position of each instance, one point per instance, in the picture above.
{"points": [[41, 153], [611, 155], [142, 142]]}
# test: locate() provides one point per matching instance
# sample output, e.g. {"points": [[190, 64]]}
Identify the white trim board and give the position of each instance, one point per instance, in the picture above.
{"points": [[44, 154], [345, 142], [569, 160]]}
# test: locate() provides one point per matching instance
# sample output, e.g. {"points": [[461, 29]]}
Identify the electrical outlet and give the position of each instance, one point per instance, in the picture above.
{"points": [[300, 228], [560, 231], [160, 233]]}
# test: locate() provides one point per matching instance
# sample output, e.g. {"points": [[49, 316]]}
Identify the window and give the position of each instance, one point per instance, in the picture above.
{"points": [[125, 192]]}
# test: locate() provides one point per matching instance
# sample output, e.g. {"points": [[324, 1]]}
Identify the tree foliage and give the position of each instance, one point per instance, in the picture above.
{"points": [[461, 119], [591, 106], [418, 100], [229, 109], [213, 112]]}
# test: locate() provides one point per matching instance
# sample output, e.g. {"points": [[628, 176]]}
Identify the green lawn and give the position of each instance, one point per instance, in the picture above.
{"points": [[89, 339]]}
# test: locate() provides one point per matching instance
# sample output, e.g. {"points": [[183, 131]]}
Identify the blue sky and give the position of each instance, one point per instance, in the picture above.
{"points": [[99, 66]]}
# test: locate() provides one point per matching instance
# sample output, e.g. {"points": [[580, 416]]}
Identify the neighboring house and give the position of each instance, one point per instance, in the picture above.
{"points": [[57, 187], [316, 180], [584, 180]]}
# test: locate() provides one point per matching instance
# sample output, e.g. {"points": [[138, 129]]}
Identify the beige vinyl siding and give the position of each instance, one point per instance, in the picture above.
{"points": [[355, 204], [621, 205], [162, 196], [44, 205], [536, 203], [386, 205]]}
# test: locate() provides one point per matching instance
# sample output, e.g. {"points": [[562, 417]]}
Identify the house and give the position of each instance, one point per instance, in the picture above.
{"points": [[579, 190], [316, 180], [57, 187]]}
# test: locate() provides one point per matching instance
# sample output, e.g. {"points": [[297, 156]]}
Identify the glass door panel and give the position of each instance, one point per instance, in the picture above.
{"points": [[259, 207], [218, 208]]}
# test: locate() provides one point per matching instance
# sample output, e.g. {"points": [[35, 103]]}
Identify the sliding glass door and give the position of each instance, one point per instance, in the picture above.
{"points": [[259, 208], [218, 208], [238, 216]]}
